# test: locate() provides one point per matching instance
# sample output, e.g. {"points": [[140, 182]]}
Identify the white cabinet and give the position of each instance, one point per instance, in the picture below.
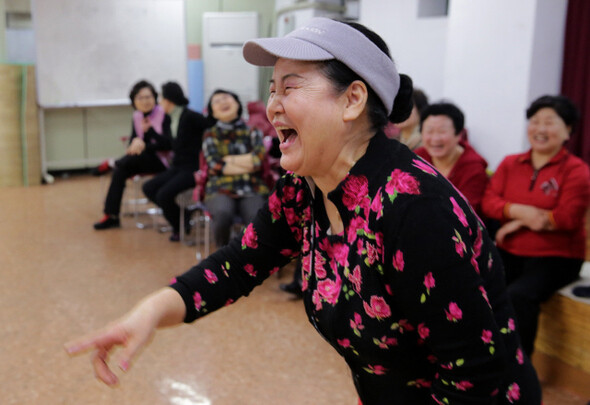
{"points": [[224, 66]]}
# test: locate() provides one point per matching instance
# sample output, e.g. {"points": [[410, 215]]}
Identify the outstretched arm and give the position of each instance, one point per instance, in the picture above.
{"points": [[132, 331]]}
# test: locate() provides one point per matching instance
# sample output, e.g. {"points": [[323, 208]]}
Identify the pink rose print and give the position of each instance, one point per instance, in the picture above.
{"points": [[287, 252], [357, 225], [250, 270], [210, 276], [398, 261], [359, 247], [356, 324], [250, 239], [423, 331], [330, 290], [198, 301], [315, 298], [463, 385], [478, 243], [484, 294], [340, 251], [372, 254], [424, 166], [378, 308], [288, 193], [355, 278], [290, 216], [511, 324], [439, 402], [486, 336], [454, 313], [403, 325], [355, 188], [345, 343], [377, 204], [513, 393], [379, 242], [173, 281], [299, 197], [420, 383], [272, 271], [385, 342], [274, 206], [376, 369], [460, 247], [228, 302], [519, 356], [318, 266], [429, 281], [474, 263], [459, 212], [388, 289], [401, 182]]}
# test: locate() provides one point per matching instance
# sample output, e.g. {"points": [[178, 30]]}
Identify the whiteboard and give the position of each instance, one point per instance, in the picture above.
{"points": [[91, 52]]}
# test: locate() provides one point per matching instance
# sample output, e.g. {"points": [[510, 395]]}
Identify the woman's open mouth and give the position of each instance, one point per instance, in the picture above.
{"points": [[287, 137]]}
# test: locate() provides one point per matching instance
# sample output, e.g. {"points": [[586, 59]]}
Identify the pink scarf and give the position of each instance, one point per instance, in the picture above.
{"points": [[156, 119]]}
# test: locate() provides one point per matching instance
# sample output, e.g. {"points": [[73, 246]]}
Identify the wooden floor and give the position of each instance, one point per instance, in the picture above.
{"points": [[60, 279]]}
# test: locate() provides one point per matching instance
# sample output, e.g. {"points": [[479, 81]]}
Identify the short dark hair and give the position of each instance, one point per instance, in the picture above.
{"points": [[137, 87], [210, 116], [563, 106], [420, 100], [444, 108], [342, 76]]}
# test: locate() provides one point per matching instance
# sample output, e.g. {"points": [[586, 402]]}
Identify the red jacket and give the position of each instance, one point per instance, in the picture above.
{"points": [[468, 174], [561, 186]]}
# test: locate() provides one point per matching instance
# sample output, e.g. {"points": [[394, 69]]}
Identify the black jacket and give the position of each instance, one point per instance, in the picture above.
{"points": [[186, 143]]}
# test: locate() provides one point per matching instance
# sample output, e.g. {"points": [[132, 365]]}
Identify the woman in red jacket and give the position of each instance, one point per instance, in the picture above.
{"points": [[442, 146], [541, 197]]}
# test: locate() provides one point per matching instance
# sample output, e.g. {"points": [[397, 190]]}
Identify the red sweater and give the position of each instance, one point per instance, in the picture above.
{"points": [[561, 186], [468, 174]]}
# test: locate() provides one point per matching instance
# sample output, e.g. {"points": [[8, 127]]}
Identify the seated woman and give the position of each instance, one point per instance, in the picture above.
{"points": [[148, 150], [187, 136], [234, 154], [541, 197], [409, 130], [442, 146]]}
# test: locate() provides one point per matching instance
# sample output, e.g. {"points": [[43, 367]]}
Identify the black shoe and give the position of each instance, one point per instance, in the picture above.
{"points": [[174, 237], [292, 288], [582, 291], [107, 222]]}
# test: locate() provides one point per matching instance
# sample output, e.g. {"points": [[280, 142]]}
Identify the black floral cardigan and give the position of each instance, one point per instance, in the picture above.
{"points": [[411, 294]]}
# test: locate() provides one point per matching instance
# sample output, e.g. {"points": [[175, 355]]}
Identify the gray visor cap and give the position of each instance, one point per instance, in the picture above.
{"points": [[325, 39]]}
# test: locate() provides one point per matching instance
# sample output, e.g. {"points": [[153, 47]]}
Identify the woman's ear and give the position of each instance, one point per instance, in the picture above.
{"points": [[356, 100]]}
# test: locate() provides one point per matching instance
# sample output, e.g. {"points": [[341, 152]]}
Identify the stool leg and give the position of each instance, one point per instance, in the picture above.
{"points": [[181, 230]]}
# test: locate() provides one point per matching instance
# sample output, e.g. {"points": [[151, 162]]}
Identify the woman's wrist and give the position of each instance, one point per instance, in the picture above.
{"points": [[506, 210]]}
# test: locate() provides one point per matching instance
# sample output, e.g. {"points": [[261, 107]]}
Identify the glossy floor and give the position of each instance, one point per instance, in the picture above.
{"points": [[60, 279]]}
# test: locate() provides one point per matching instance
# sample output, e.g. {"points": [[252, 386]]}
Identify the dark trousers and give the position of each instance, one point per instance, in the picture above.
{"points": [[127, 166], [224, 209], [531, 281], [163, 189]]}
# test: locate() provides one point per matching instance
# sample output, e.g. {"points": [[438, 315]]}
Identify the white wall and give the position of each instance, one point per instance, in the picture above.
{"points": [[418, 46], [491, 58]]}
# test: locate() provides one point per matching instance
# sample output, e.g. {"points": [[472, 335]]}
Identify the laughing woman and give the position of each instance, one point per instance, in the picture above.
{"points": [[398, 273], [541, 197]]}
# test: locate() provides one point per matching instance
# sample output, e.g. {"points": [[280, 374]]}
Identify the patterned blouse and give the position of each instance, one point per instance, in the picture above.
{"points": [[411, 294], [233, 139]]}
